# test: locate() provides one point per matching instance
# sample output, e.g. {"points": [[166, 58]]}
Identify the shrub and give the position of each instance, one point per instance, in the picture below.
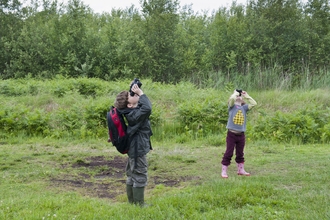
{"points": [[304, 126], [18, 119], [203, 117]]}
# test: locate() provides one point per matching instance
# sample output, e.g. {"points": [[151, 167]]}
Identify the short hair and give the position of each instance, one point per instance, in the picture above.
{"points": [[121, 100]]}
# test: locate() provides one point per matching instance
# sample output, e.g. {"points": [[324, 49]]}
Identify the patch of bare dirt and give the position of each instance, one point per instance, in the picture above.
{"points": [[105, 178]]}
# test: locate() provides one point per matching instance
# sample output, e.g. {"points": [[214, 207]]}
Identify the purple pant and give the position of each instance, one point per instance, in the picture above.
{"points": [[234, 141]]}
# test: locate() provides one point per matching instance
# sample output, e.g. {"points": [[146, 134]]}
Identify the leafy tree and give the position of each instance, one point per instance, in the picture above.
{"points": [[317, 18], [192, 42], [284, 28], [132, 50], [161, 20], [286, 37], [74, 43], [11, 14]]}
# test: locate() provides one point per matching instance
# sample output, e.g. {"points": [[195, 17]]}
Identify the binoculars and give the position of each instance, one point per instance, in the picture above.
{"points": [[136, 81], [239, 91]]}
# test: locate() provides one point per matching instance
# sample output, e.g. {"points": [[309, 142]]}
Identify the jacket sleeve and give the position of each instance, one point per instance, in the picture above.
{"points": [[139, 115], [232, 99], [252, 102], [144, 109]]}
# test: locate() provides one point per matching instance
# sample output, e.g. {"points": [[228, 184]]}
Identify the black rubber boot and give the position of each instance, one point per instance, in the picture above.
{"points": [[138, 195], [129, 191]]}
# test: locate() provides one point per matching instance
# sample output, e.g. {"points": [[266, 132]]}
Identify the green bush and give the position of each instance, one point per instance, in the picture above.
{"points": [[304, 126], [95, 118], [88, 87], [203, 117], [77, 108], [13, 88], [325, 133], [18, 119]]}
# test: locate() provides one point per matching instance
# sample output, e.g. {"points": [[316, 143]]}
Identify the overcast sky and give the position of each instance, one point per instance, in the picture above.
{"points": [[100, 6]]}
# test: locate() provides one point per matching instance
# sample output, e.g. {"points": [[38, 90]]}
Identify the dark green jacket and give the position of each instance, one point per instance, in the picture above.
{"points": [[139, 128]]}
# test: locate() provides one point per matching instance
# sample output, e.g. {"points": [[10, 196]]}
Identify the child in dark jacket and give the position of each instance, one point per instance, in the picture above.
{"points": [[136, 109], [236, 126]]}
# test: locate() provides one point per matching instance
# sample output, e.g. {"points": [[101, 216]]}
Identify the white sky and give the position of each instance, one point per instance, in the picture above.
{"points": [[100, 6]]}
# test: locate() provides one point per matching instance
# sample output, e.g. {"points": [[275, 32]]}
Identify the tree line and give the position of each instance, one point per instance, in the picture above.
{"points": [[163, 40]]}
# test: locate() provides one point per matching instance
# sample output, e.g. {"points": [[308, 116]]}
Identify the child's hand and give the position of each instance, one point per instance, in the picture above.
{"points": [[236, 93], [245, 94], [137, 90]]}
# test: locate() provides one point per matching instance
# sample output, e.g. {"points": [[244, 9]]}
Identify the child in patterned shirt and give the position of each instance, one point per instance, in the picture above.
{"points": [[236, 126]]}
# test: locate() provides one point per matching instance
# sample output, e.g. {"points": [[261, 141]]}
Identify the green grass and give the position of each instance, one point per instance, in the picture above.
{"points": [[287, 182], [78, 177]]}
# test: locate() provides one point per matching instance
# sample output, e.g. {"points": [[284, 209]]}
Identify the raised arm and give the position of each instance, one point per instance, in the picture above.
{"points": [[232, 98], [251, 101]]}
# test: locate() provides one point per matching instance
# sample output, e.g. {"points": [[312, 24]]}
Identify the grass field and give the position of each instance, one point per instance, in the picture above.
{"points": [[64, 168], [48, 179]]}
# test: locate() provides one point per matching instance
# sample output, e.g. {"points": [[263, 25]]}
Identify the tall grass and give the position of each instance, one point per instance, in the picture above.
{"points": [[270, 79]]}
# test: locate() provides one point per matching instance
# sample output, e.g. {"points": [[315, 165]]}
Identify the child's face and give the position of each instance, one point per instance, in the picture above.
{"points": [[239, 99], [133, 101]]}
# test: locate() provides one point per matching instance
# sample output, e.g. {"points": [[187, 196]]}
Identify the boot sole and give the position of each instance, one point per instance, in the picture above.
{"points": [[242, 174]]}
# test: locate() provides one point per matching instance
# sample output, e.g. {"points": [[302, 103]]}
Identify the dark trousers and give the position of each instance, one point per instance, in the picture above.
{"points": [[234, 141], [137, 173]]}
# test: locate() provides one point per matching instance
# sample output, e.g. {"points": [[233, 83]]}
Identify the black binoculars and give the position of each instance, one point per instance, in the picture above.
{"points": [[136, 81], [239, 91]]}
